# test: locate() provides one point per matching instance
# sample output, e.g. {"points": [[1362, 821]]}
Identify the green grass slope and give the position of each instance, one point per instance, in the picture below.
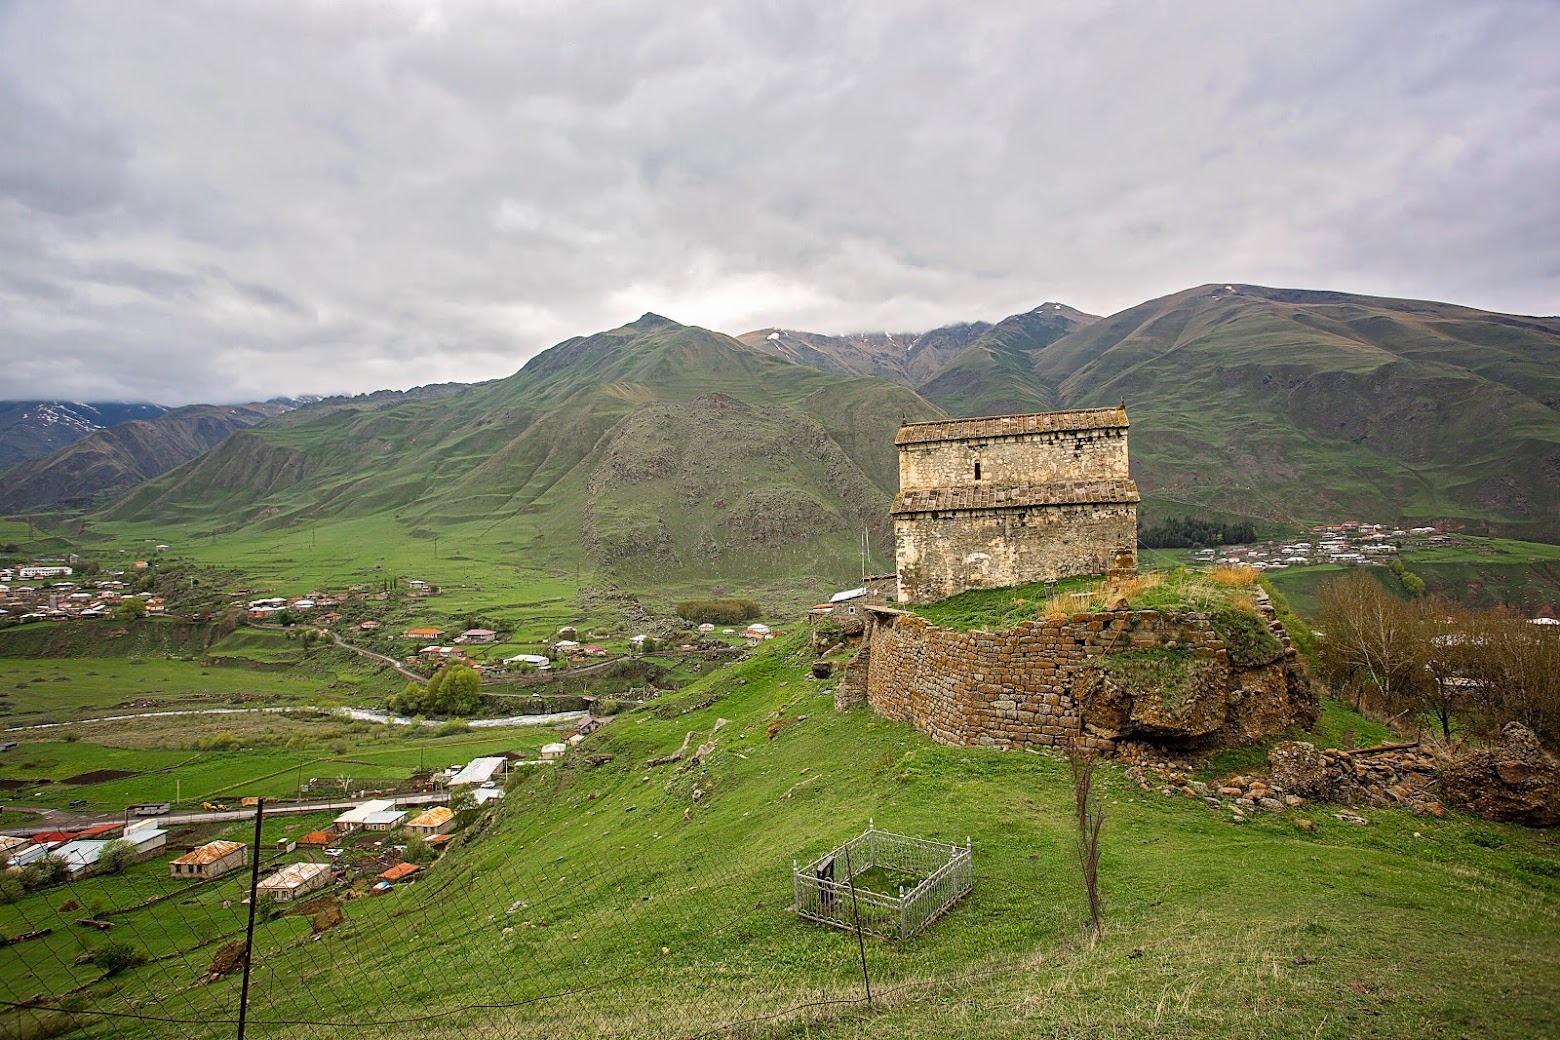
{"points": [[661, 892], [1283, 403]]}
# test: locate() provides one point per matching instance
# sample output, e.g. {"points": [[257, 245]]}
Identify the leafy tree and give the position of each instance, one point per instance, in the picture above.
{"points": [[461, 798], [460, 693], [419, 851], [116, 856], [1189, 532], [410, 701], [718, 611], [130, 608]]}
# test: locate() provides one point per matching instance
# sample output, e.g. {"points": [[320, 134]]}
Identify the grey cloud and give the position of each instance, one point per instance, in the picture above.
{"points": [[256, 198], [56, 161]]}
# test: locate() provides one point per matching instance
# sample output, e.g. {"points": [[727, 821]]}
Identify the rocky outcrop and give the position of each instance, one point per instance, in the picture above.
{"points": [[1515, 781]]}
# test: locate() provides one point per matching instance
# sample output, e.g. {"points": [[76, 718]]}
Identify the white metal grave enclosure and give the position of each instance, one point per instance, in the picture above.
{"points": [[824, 891]]}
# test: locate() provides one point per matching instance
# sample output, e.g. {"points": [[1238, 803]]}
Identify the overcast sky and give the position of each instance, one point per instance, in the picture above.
{"points": [[224, 201]]}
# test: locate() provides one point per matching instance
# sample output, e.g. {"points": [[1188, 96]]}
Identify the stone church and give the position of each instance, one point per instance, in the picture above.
{"points": [[1002, 500]]}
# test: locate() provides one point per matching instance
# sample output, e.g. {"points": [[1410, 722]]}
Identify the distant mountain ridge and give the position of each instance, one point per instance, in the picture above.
{"points": [[968, 367], [29, 429], [658, 448], [1291, 404], [118, 458]]}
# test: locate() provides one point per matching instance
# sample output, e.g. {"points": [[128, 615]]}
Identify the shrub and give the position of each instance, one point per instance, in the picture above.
{"points": [[718, 611], [419, 851], [48, 871], [115, 956], [1246, 637]]}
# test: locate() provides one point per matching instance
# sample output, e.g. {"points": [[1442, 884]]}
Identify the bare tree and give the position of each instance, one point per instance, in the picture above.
{"points": [[1527, 666], [1091, 818], [1369, 638]]}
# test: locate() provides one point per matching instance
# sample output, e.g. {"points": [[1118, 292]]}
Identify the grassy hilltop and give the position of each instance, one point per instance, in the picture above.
{"points": [[661, 891]]}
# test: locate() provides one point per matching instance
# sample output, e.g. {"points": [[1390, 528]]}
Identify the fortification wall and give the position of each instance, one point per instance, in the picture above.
{"points": [[1046, 683], [1031, 458], [939, 555]]}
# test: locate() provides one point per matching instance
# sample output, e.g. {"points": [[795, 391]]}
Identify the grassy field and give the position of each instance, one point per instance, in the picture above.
{"points": [[668, 907], [190, 761], [56, 689]]}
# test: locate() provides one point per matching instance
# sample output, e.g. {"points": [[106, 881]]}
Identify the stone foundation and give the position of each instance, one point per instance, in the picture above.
{"points": [[1047, 683]]}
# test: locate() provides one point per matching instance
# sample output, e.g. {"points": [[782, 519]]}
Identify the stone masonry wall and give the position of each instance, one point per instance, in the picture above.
{"points": [[940, 555], [1037, 458], [1016, 688]]}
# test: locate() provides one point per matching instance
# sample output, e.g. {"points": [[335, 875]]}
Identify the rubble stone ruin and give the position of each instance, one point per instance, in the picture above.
{"points": [[1008, 499]]}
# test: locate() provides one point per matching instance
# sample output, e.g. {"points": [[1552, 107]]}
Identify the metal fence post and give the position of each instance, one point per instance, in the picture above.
{"points": [[249, 931]]}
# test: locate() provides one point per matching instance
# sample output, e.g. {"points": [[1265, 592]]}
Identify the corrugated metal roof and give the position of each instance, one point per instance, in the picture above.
{"points": [[210, 852], [439, 814], [399, 871], [317, 838], [478, 771], [1012, 425], [295, 874]]}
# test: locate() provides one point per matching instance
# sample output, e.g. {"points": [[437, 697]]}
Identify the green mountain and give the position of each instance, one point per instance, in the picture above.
{"points": [[1293, 404], [1288, 404], [669, 453]]}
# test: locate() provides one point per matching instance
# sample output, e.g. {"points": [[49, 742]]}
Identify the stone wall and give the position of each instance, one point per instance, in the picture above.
{"points": [[1036, 458], [941, 554], [1046, 683]]}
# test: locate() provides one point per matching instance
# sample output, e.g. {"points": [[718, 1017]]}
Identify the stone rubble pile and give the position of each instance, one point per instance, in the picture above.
{"points": [[1298, 773]]}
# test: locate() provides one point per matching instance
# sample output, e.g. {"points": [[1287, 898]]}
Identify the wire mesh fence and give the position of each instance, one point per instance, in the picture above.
{"points": [[602, 939], [841, 888]]}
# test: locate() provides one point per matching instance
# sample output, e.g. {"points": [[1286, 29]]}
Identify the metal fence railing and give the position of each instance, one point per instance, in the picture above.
{"points": [[833, 890]]}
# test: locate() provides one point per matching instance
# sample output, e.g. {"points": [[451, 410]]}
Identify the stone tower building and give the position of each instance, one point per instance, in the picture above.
{"points": [[1002, 500]]}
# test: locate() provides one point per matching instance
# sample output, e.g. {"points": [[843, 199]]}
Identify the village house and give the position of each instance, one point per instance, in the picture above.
{"points": [[353, 819], [384, 820], [477, 635], [210, 860], [294, 880], [399, 872], [438, 820], [479, 771], [318, 839]]}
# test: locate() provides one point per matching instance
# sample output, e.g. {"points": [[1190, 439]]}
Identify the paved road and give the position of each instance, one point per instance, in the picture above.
{"points": [[64, 821]]}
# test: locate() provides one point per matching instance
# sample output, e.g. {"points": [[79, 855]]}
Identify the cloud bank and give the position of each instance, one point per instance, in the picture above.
{"points": [[221, 202]]}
